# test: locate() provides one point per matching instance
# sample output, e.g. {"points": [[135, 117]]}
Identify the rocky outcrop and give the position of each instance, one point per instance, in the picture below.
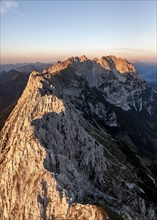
{"points": [[58, 162], [12, 85], [28, 190], [112, 62]]}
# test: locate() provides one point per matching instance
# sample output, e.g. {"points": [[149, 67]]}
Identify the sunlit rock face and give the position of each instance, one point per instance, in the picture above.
{"points": [[58, 157], [116, 78], [28, 189], [112, 62]]}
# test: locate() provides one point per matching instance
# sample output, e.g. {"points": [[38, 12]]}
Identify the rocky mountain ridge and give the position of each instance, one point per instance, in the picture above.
{"points": [[62, 154], [13, 79]]}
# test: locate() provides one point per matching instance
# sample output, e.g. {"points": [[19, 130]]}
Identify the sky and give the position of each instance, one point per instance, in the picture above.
{"points": [[47, 31]]}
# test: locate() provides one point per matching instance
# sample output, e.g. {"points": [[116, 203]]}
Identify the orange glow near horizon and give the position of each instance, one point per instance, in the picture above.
{"points": [[53, 57], [69, 28]]}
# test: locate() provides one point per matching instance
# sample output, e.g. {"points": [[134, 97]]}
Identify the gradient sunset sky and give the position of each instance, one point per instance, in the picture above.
{"points": [[47, 31]]}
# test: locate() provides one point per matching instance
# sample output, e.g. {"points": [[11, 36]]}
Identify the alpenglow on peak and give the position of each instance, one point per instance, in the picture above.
{"points": [[108, 62]]}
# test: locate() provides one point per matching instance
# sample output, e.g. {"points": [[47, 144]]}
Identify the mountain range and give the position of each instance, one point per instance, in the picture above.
{"points": [[24, 67], [148, 72], [14, 77], [81, 143]]}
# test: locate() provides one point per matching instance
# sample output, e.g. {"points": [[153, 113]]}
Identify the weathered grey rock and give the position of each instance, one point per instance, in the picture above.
{"points": [[55, 162]]}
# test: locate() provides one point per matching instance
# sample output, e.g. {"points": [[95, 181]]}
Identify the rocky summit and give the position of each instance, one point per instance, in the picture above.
{"points": [[81, 143]]}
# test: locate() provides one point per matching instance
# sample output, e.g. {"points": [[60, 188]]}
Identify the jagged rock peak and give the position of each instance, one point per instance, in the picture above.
{"points": [[107, 62], [77, 59], [112, 62], [60, 65], [83, 58]]}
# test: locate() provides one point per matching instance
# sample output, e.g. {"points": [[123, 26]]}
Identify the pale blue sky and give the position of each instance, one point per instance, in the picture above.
{"points": [[51, 30]]}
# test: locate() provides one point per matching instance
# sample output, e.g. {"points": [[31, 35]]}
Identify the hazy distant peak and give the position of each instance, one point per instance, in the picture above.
{"points": [[25, 67]]}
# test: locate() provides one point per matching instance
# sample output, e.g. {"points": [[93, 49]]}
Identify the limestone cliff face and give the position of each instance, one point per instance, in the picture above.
{"points": [[28, 190], [58, 162]]}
